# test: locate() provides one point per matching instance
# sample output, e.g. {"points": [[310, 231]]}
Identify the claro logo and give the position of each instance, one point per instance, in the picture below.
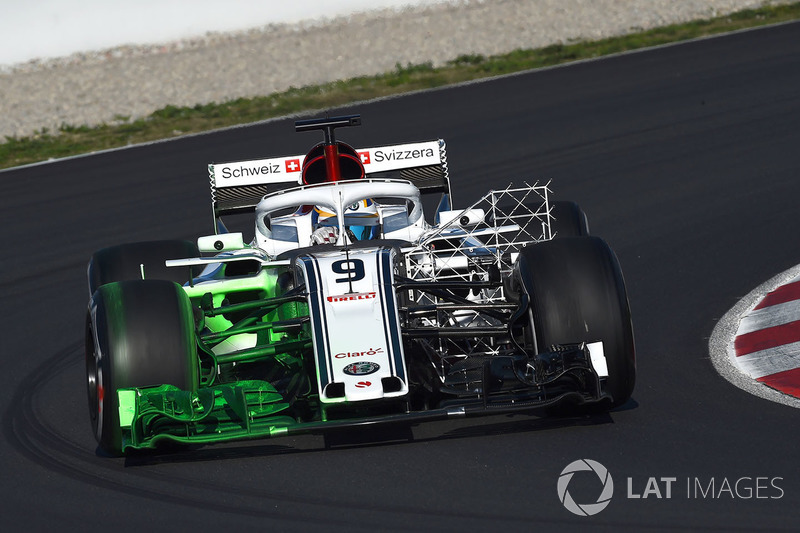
{"points": [[367, 353]]}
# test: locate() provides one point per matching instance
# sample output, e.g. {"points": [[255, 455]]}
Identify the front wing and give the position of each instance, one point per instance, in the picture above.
{"points": [[255, 409]]}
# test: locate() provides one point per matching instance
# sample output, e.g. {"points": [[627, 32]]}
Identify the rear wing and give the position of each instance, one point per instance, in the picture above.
{"points": [[239, 186]]}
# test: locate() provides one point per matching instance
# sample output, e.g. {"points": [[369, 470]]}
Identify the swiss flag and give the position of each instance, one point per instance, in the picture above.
{"points": [[364, 157], [292, 165]]}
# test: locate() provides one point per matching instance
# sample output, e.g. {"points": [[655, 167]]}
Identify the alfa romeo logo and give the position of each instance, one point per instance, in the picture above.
{"points": [[585, 509], [361, 368]]}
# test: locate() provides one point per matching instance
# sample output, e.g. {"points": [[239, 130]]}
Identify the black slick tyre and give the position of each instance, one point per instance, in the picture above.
{"points": [[577, 294], [138, 333], [127, 261], [568, 220]]}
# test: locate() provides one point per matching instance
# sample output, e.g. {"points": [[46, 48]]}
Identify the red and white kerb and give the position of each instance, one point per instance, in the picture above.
{"points": [[767, 344]]}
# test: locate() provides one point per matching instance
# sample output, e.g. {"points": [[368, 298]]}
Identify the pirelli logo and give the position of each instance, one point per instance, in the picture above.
{"points": [[351, 297]]}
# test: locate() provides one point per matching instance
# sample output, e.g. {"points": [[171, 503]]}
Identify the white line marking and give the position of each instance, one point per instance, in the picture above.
{"points": [[768, 317], [771, 361]]}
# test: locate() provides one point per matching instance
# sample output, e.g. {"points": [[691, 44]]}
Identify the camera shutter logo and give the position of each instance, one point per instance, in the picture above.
{"points": [[585, 509]]}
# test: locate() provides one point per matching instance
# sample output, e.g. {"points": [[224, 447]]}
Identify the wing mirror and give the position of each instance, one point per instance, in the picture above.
{"points": [[221, 243], [468, 217]]}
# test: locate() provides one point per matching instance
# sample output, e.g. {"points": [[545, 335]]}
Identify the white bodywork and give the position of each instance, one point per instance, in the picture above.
{"points": [[355, 324], [278, 232], [354, 319]]}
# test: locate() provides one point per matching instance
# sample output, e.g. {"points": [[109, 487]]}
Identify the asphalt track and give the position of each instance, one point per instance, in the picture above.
{"points": [[686, 160]]}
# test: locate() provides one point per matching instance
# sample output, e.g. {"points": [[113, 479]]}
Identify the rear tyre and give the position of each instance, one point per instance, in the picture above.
{"points": [[138, 333], [577, 294], [568, 220], [126, 262]]}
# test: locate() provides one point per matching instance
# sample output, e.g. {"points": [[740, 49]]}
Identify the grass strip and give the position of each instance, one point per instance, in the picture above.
{"points": [[172, 121]]}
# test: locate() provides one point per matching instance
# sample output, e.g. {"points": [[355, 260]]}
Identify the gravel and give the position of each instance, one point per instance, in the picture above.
{"points": [[134, 81]]}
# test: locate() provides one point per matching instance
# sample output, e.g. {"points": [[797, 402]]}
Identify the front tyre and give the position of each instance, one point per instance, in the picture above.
{"points": [[577, 294], [140, 260], [138, 333]]}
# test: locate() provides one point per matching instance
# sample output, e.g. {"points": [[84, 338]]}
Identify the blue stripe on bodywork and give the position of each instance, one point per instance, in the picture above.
{"points": [[390, 317], [382, 295], [317, 311]]}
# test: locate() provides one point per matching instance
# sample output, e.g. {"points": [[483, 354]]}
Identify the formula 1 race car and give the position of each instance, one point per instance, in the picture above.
{"points": [[349, 309]]}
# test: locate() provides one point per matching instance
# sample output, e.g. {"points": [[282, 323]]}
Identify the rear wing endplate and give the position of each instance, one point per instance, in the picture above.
{"points": [[239, 186]]}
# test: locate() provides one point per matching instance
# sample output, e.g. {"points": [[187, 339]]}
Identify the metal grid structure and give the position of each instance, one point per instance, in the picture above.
{"points": [[465, 251], [469, 257]]}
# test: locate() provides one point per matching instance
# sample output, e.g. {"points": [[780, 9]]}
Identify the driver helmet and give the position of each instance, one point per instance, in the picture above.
{"points": [[360, 218]]}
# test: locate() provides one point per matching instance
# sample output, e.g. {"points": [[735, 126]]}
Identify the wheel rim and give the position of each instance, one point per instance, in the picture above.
{"points": [[94, 380]]}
